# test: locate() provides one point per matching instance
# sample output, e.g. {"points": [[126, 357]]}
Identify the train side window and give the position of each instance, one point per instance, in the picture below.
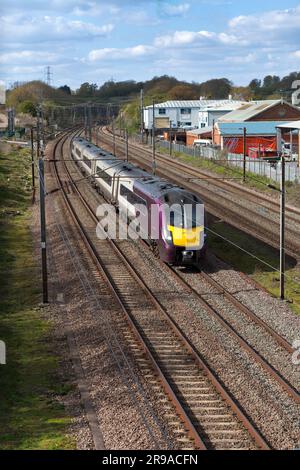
{"points": [[131, 197], [78, 152], [87, 161], [104, 176]]}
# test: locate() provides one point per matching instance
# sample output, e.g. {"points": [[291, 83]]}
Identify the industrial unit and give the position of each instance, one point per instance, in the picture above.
{"points": [[230, 135], [187, 114], [267, 110], [209, 114]]}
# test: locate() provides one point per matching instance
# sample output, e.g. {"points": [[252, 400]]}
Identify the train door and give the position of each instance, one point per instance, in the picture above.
{"points": [[115, 189]]}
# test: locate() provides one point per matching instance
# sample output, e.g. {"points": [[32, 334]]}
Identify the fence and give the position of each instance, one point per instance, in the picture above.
{"points": [[257, 166]]}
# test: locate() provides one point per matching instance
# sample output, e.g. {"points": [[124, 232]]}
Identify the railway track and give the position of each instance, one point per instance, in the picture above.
{"points": [[208, 413], [218, 198], [227, 324]]}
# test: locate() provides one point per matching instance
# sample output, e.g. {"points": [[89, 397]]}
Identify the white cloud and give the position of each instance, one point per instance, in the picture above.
{"points": [[296, 54], [28, 57], [277, 21], [42, 29], [184, 38], [119, 53], [175, 10]]}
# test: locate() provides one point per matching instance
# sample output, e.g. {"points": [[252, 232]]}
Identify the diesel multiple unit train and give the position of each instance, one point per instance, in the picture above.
{"points": [[180, 237]]}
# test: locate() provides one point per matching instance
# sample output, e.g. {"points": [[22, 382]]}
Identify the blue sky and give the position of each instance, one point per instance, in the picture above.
{"points": [[137, 39]]}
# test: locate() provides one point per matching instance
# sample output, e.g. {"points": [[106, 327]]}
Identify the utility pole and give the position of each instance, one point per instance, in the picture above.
{"points": [[85, 121], [43, 231], [32, 159], [282, 229], [42, 126], [142, 115], [38, 132], [114, 136], [153, 140], [97, 135], [244, 153], [90, 122], [170, 139], [126, 144]]}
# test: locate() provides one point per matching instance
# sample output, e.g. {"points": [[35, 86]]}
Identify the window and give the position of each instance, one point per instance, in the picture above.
{"points": [[185, 111], [104, 176], [132, 198], [78, 152], [161, 111], [87, 161]]}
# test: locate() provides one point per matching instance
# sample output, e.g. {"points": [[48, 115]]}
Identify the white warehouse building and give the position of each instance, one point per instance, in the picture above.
{"points": [[210, 113], [187, 114], [173, 114]]}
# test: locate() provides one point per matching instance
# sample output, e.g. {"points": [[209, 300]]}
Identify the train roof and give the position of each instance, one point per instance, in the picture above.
{"points": [[144, 182], [92, 149]]}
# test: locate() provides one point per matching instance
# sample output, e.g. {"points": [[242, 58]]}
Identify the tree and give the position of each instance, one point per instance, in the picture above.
{"points": [[255, 84], [66, 89], [87, 89], [182, 92], [243, 93], [216, 88], [27, 107]]}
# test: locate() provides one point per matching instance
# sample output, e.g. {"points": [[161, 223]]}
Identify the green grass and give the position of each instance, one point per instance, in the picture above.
{"points": [[221, 168], [31, 416]]}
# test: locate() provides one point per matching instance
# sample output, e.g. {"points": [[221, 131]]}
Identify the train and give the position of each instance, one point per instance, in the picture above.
{"points": [[180, 236]]}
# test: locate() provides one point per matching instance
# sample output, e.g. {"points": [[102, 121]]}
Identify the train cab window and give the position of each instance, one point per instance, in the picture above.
{"points": [[132, 198], [104, 176]]}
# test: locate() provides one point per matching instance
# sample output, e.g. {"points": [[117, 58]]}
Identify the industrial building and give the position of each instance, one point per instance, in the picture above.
{"points": [[173, 114], [260, 135], [186, 114], [267, 110], [209, 114], [255, 124]]}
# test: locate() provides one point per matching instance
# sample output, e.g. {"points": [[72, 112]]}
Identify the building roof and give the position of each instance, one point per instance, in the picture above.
{"points": [[203, 130], [194, 104], [226, 105], [290, 125], [252, 128], [250, 110]]}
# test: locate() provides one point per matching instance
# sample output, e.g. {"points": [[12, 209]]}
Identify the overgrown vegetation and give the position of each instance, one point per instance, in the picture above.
{"points": [[31, 416]]}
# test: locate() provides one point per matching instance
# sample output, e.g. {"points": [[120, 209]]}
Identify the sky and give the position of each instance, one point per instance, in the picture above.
{"points": [[193, 40]]}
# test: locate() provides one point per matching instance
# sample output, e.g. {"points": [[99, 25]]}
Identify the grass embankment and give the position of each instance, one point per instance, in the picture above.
{"points": [[221, 168], [264, 275], [31, 416]]}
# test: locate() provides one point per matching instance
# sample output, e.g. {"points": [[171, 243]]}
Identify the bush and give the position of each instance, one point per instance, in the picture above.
{"points": [[27, 107]]}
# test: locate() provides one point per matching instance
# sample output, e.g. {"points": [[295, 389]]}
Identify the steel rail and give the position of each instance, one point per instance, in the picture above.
{"points": [[290, 389], [93, 252], [225, 213], [201, 364], [234, 186]]}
